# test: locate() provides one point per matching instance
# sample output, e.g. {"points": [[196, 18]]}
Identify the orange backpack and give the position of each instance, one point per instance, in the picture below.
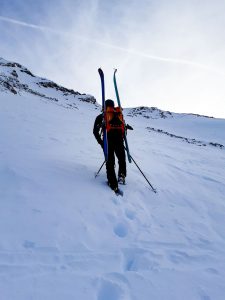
{"points": [[114, 119]]}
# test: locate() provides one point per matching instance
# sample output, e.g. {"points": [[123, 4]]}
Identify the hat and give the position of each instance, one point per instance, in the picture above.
{"points": [[109, 103]]}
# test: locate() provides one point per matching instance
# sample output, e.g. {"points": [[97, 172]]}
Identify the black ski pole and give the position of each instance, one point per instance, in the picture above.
{"points": [[154, 190], [99, 169]]}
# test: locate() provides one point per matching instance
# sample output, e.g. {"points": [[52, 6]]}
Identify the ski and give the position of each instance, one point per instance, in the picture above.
{"points": [[105, 142], [119, 104]]}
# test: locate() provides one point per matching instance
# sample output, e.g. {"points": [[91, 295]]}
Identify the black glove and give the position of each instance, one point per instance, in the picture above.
{"points": [[101, 143], [129, 127]]}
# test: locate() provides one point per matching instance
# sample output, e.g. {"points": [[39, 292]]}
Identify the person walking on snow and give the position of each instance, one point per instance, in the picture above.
{"points": [[115, 146]]}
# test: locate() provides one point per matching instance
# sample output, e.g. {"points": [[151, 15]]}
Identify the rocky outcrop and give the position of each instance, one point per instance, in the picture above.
{"points": [[11, 80], [149, 113]]}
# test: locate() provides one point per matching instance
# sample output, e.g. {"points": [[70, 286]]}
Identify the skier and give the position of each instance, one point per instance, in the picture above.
{"points": [[115, 136]]}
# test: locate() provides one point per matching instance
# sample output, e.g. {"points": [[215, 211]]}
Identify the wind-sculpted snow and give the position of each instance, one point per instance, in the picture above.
{"points": [[65, 235]]}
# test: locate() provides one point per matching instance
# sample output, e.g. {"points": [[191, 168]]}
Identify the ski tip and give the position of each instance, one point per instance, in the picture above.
{"points": [[115, 70]]}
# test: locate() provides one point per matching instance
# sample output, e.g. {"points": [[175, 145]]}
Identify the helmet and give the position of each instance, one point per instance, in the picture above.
{"points": [[109, 103]]}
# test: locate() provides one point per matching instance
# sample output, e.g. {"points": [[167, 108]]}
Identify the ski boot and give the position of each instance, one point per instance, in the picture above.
{"points": [[121, 179]]}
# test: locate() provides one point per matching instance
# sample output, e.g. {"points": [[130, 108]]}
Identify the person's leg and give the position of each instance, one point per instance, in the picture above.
{"points": [[110, 166], [120, 153]]}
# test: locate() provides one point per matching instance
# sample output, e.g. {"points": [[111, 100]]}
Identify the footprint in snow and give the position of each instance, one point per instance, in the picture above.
{"points": [[121, 230], [110, 290], [130, 214]]}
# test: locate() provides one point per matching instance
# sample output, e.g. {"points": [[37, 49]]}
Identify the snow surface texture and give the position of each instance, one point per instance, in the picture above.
{"points": [[65, 235]]}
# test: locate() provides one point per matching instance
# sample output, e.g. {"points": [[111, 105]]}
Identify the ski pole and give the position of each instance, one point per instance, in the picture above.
{"points": [[99, 169], [154, 190]]}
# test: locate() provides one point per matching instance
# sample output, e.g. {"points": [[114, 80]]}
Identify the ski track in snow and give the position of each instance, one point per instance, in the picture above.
{"points": [[65, 235]]}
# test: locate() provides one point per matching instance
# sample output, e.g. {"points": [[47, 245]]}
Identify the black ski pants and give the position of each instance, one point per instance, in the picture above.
{"points": [[115, 147]]}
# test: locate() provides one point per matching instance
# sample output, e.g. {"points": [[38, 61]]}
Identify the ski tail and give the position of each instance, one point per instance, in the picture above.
{"points": [[105, 141], [119, 104]]}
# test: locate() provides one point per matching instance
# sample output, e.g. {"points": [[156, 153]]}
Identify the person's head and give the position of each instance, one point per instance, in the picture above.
{"points": [[109, 103]]}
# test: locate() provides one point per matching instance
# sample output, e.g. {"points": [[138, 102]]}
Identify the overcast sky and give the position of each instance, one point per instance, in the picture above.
{"points": [[169, 54]]}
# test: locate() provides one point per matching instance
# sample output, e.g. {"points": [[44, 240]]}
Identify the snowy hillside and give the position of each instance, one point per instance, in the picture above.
{"points": [[17, 79], [65, 235]]}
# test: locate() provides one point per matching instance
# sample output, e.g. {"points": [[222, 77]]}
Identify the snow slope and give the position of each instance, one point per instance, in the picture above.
{"points": [[65, 235]]}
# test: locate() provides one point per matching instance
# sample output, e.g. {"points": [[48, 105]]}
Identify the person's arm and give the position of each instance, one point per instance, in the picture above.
{"points": [[97, 129]]}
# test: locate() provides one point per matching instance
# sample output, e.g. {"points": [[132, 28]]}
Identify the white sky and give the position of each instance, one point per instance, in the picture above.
{"points": [[169, 54]]}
